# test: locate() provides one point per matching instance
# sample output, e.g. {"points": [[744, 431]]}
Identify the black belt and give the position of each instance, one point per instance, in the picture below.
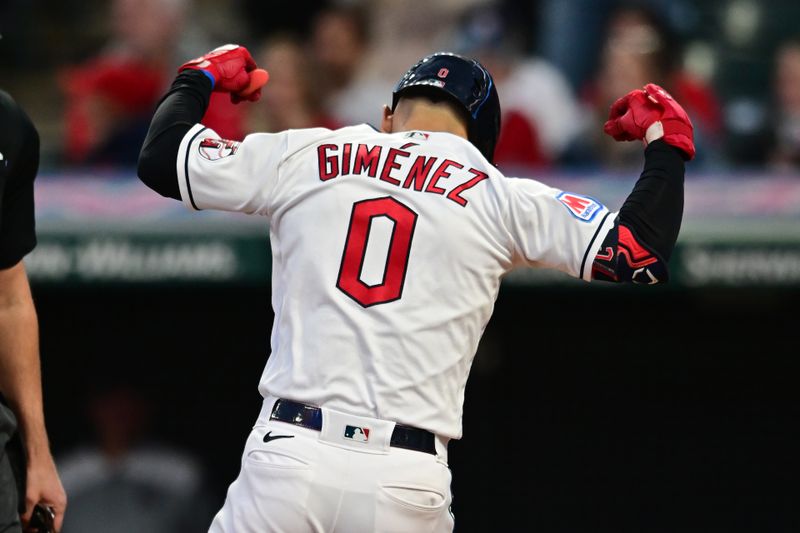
{"points": [[310, 417]]}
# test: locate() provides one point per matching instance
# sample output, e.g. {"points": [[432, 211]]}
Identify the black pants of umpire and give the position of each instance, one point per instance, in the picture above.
{"points": [[9, 482]]}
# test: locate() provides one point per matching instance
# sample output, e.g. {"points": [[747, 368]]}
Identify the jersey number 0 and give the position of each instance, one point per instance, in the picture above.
{"points": [[394, 274]]}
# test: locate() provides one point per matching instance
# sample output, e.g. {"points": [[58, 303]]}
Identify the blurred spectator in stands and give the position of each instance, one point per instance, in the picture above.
{"points": [[786, 122], [110, 97], [108, 104], [289, 101], [339, 42], [123, 483], [742, 42], [584, 22], [359, 46], [296, 17], [640, 48], [540, 115]]}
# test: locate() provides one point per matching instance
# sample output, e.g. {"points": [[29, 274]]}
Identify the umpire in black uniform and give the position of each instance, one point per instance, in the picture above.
{"points": [[24, 449]]}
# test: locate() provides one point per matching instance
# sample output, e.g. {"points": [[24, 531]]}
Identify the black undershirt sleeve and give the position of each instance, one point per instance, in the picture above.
{"points": [[654, 209], [180, 109], [637, 249]]}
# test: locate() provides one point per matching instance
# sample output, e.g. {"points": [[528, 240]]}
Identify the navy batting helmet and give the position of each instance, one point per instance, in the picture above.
{"points": [[464, 81]]}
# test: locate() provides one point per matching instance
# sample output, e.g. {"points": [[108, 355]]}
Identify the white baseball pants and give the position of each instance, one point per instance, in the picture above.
{"points": [[306, 481]]}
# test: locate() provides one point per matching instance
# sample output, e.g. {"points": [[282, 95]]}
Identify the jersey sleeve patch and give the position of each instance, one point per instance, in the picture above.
{"points": [[215, 149], [581, 207]]}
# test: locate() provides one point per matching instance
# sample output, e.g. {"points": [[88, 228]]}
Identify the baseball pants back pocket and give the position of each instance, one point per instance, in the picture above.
{"points": [[403, 507], [415, 497]]}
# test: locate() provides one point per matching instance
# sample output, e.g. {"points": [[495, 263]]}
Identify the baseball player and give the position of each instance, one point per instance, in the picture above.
{"points": [[388, 251], [24, 449]]}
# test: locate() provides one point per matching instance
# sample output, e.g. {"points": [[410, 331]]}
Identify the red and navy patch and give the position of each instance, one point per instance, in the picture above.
{"points": [[358, 434], [581, 207], [215, 149], [417, 135]]}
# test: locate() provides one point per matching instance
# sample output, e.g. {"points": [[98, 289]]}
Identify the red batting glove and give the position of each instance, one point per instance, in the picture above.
{"points": [[632, 116], [229, 69]]}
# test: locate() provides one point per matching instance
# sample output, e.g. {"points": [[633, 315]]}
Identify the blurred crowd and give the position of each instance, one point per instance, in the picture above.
{"points": [[122, 478], [91, 72]]}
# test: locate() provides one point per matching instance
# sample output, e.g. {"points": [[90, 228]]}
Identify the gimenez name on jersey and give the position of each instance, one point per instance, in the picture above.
{"points": [[427, 174]]}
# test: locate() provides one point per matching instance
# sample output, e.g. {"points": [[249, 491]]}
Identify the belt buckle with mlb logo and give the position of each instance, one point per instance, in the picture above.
{"points": [[356, 433]]}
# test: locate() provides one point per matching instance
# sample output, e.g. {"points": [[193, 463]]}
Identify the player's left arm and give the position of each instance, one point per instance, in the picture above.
{"points": [[638, 247]]}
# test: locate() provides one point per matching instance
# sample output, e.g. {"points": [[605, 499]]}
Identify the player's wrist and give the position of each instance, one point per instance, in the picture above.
{"points": [[194, 77], [206, 70], [210, 76], [654, 132]]}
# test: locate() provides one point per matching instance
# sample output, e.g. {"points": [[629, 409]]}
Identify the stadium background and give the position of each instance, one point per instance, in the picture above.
{"points": [[589, 408]]}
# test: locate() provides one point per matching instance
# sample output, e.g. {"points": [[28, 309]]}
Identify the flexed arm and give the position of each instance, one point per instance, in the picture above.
{"points": [[229, 69], [638, 247]]}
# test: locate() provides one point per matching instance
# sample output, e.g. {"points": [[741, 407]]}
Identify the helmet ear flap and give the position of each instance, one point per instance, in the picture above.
{"points": [[484, 128], [477, 90]]}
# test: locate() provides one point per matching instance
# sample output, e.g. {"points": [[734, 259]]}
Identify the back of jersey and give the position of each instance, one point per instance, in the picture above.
{"points": [[388, 251]]}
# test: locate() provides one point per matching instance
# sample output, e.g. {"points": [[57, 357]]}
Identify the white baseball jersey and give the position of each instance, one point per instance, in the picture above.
{"points": [[388, 251]]}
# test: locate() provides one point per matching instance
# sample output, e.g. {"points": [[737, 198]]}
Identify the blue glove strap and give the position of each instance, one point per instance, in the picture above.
{"points": [[207, 73]]}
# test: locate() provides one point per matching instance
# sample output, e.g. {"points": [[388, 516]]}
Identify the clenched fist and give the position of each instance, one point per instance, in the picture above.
{"points": [[230, 69], [649, 114]]}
